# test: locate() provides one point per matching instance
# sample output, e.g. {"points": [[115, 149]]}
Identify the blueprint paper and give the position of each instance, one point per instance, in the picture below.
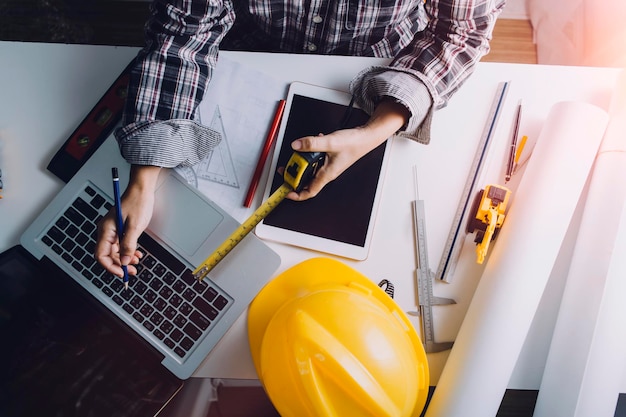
{"points": [[589, 341], [239, 104], [495, 326]]}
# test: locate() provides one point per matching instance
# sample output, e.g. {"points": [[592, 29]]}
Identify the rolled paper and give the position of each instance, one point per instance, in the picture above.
{"points": [[585, 364], [480, 364]]}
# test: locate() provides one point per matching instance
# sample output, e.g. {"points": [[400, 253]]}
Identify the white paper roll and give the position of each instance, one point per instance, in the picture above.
{"points": [[586, 359], [491, 336]]}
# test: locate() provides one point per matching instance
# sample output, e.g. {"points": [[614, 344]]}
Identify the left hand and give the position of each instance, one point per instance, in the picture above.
{"points": [[344, 147]]}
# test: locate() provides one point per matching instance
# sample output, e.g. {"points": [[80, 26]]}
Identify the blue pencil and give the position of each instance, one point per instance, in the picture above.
{"points": [[120, 221]]}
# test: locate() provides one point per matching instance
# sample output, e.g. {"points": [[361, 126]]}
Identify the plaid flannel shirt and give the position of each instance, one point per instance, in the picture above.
{"points": [[434, 46]]}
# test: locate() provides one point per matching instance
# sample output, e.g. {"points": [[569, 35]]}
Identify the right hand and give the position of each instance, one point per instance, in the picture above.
{"points": [[137, 208]]}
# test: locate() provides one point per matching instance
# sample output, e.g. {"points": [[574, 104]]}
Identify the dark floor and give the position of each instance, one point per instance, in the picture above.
{"points": [[94, 22]]}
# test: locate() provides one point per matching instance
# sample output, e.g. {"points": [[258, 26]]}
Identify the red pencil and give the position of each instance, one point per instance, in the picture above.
{"points": [[269, 141]]}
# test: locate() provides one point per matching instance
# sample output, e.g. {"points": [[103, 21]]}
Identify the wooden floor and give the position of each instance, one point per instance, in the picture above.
{"points": [[512, 42]]}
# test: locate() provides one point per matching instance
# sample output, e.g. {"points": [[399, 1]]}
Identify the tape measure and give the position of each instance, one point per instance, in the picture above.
{"points": [[452, 248], [300, 170]]}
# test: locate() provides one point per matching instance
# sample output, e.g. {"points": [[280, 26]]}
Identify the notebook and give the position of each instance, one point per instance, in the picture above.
{"points": [[134, 345]]}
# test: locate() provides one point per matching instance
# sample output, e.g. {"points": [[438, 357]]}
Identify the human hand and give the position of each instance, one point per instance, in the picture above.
{"points": [[137, 208], [344, 147]]}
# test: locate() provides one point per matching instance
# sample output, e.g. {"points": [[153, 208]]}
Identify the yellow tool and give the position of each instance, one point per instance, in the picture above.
{"points": [[300, 170], [488, 216]]}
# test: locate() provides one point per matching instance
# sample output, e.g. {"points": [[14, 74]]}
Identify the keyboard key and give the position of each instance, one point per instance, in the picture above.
{"points": [[146, 310], [220, 302], [72, 231], [85, 208], [170, 312], [169, 278], [97, 201], [137, 302], [166, 292], [186, 343], [74, 216], [169, 343], [90, 191], [62, 223], [205, 308], [180, 321], [150, 296], [192, 331], [189, 294], [156, 318], [159, 270], [166, 326], [175, 301], [140, 287], [161, 254], [179, 286], [185, 309], [176, 335], [149, 261], [199, 320], [210, 294], [156, 283], [56, 234]]}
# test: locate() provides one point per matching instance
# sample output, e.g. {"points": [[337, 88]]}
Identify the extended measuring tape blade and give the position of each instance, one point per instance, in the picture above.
{"points": [[456, 237], [242, 231], [299, 171]]}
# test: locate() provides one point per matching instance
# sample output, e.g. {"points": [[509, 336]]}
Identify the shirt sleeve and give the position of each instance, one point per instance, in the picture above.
{"points": [[436, 62], [168, 82]]}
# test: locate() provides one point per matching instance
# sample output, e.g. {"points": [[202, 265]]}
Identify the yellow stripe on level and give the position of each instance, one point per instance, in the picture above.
{"points": [[242, 231]]}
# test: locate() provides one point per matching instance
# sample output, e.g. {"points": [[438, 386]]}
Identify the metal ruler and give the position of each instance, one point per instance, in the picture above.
{"points": [[455, 241], [424, 282]]}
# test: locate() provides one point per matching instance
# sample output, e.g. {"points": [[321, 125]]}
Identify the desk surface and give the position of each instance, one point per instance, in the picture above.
{"points": [[48, 89]]}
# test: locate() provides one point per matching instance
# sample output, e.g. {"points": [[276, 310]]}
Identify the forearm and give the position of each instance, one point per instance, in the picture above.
{"points": [[168, 81], [388, 117], [456, 37]]}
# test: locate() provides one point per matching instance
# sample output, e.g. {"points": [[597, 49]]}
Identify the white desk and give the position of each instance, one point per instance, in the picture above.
{"points": [[47, 89]]}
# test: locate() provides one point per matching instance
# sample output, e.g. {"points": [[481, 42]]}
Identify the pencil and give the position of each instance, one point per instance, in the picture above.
{"points": [[511, 161], [269, 141], [118, 216]]}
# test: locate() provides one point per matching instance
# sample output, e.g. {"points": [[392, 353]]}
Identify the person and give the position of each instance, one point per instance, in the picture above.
{"points": [[434, 46]]}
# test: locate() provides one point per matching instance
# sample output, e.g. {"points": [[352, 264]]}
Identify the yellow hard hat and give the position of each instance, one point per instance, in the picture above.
{"points": [[327, 341]]}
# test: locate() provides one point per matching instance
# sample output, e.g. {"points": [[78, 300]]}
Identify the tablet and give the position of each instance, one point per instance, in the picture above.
{"points": [[340, 219]]}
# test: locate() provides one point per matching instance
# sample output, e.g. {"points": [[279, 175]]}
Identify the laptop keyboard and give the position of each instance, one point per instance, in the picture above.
{"points": [[164, 298]]}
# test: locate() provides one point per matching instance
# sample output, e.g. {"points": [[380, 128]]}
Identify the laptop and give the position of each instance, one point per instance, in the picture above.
{"points": [[85, 346]]}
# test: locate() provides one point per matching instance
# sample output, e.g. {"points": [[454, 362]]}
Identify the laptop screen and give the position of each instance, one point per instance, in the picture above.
{"points": [[60, 355]]}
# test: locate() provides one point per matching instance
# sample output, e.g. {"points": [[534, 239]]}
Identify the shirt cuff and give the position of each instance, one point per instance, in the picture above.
{"points": [[376, 83], [167, 144]]}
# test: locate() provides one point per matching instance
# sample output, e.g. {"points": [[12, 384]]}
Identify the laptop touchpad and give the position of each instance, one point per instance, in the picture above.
{"points": [[182, 218]]}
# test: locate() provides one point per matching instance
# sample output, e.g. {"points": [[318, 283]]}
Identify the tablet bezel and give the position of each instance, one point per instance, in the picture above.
{"points": [[304, 240]]}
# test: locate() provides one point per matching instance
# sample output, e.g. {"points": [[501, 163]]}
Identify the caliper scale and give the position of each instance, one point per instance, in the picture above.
{"points": [[424, 278]]}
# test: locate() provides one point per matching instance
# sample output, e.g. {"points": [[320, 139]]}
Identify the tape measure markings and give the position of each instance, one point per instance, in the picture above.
{"points": [[242, 231]]}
